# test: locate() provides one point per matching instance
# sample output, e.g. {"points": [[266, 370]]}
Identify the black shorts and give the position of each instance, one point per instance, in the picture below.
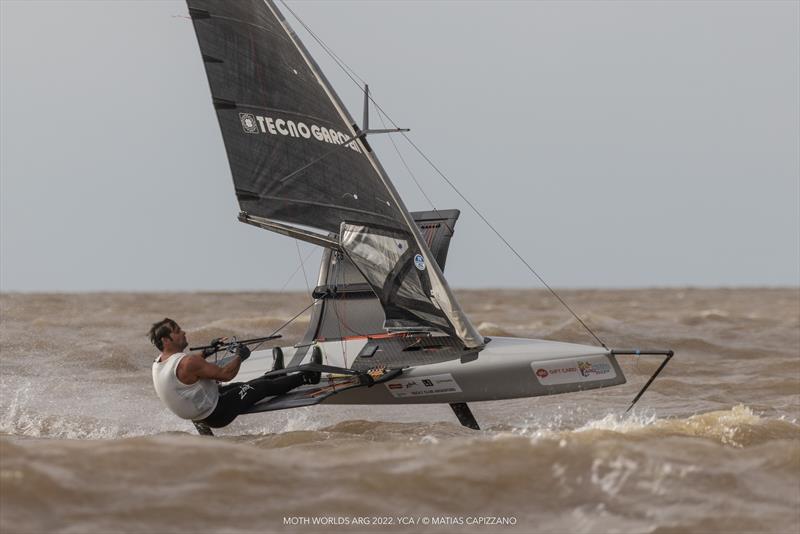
{"points": [[238, 397]]}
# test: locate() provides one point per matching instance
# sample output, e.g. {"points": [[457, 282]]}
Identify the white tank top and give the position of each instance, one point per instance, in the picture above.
{"points": [[195, 401]]}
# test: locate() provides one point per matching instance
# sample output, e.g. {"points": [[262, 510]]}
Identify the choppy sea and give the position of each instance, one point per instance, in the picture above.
{"points": [[714, 446]]}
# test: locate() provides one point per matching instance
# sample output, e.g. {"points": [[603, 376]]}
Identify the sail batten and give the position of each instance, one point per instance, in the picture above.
{"points": [[290, 231], [353, 212], [297, 157]]}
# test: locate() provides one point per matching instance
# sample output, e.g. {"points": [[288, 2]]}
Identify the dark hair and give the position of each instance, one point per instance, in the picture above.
{"points": [[161, 329]]}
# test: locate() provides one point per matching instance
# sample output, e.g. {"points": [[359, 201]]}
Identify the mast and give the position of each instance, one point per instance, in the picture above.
{"points": [[299, 161], [440, 291]]}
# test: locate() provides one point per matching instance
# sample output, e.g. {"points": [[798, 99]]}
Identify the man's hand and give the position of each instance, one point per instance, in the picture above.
{"points": [[243, 352], [214, 346]]}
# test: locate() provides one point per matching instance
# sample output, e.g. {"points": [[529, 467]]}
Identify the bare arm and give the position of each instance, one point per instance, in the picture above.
{"points": [[196, 368]]}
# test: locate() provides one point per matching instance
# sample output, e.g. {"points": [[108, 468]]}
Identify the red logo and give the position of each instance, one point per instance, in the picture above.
{"points": [[542, 373]]}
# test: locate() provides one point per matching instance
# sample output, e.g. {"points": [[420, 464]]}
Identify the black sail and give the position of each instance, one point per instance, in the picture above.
{"points": [[296, 158], [276, 118]]}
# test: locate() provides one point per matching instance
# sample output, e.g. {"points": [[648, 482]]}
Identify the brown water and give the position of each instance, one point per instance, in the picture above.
{"points": [[714, 446]]}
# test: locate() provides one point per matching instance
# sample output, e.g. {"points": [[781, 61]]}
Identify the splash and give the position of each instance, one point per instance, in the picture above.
{"points": [[737, 427], [17, 420], [25, 412]]}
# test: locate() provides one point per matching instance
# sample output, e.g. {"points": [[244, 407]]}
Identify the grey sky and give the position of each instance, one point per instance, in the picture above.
{"points": [[613, 144]]}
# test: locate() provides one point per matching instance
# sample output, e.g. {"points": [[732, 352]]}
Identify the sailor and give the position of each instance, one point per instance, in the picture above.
{"points": [[187, 383]]}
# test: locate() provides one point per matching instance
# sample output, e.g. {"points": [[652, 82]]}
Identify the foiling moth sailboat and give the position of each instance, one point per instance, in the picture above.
{"points": [[303, 168]]}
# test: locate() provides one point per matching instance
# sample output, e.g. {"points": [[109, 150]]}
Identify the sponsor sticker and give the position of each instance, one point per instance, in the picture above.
{"points": [[573, 370], [419, 262], [272, 125], [421, 387], [249, 124]]}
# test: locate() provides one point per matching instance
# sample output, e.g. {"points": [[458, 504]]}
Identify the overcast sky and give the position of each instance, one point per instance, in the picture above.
{"points": [[615, 144]]}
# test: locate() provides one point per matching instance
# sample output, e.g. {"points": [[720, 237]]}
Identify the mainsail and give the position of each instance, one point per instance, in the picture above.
{"points": [[299, 161]]}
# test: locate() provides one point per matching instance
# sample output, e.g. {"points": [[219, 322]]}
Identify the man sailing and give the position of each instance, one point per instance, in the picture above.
{"points": [[187, 383]]}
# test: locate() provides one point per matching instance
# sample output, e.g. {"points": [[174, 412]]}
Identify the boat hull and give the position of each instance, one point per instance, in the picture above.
{"points": [[507, 368]]}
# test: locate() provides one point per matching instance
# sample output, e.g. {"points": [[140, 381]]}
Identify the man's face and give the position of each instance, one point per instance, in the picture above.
{"points": [[178, 338]]}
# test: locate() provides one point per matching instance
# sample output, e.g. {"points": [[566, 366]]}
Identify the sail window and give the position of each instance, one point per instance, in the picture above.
{"points": [[385, 257]]}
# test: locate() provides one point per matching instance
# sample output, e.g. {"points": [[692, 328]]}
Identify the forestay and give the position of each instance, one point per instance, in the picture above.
{"points": [[298, 158]]}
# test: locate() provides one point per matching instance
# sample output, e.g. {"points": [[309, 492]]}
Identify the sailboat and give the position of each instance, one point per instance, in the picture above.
{"points": [[384, 319]]}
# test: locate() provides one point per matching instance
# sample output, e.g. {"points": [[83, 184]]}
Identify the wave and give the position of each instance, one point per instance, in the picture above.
{"points": [[534, 474], [490, 329], [736, 427], [247, 327]]}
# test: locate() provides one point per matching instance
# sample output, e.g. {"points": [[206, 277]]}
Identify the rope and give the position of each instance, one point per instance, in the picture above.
{"points": [[302, 265], [413, 177], [503, 239], [403, 160], [284, 325], [347, 70], [286, 283]]}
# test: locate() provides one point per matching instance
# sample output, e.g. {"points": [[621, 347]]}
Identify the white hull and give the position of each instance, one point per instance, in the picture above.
{"points": [[507, 368]]}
